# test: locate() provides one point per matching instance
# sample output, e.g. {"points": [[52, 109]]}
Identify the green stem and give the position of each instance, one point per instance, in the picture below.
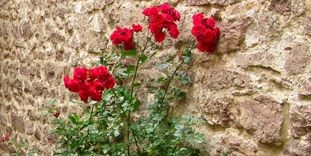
{"points": [[90, 118], [92, 109], [91, 115], [115, 65], [167, 87], [132, 93], [137, 66], [171, 78], [136, 143], [192, 46]]}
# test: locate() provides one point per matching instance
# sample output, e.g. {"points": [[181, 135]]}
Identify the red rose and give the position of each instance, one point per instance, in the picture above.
{"points": [[137, 28], [72, 85], [123, 36], [205, 32], [99, 71], [173, 30], [116, 40], [159, 36], [168, 19], [84, 95], [95, 94], [128, 45], [80, 73], [155, 27], [165, 7], [98, 85], [151, 11], [197, 30], [209, 22], [162, 17], [206, 47], [197, 18], [97, 79], [110, 82], [176, 15]]}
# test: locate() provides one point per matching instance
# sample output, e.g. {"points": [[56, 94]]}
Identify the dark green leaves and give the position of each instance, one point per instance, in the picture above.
{"points": [[163, 66], [125, 72], [74, 118], [183, 77], [129, 53], [118, 123], [187, 56], [178, 94], [143, 58]]}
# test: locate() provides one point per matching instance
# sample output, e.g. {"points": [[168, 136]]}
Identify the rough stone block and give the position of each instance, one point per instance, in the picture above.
{"points": [[298, 59], [218, 79], [300, 119], [232, 144], [305, 88], [262, 116], [219, 111], [18, 123], [297, 148], [233, 33], [214, 2]]}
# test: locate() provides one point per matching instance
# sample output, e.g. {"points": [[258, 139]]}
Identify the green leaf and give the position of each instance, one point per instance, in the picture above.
{"points": [[102, 61], [197, 138], [149, 129], [129, 53], [116, 132], [187, 56], [125, 72], [52, 101], [162, 80], [74, 118], [163, 66], [135, 105], [223, 154], [129, 70], [183, 77], [179, 94], [137, 84], [143, 58]]}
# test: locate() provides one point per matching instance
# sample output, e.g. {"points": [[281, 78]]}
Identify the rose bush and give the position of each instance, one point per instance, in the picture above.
{"points": [[112, 121]]}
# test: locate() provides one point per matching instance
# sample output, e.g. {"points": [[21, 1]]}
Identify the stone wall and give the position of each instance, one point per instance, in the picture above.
{"points": [[255, 93]]}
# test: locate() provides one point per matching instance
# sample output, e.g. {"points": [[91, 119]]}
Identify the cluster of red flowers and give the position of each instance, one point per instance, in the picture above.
{"points": [[163, 16], [124, 36], [5, 138], [90, 82], [205, 32]]}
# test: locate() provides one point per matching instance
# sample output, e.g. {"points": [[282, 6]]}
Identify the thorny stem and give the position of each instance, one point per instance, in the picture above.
{"points": [[132, 92]]}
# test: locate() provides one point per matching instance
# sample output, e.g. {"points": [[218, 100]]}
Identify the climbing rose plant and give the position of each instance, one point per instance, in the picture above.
{"points": [[115, 119]]}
